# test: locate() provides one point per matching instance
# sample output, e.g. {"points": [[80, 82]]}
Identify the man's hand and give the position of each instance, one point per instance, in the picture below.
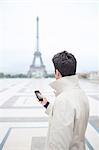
{"points": [[44, 101]]}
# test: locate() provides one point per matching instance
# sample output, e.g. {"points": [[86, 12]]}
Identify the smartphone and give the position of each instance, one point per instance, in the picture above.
{"points": [[38, 95]]}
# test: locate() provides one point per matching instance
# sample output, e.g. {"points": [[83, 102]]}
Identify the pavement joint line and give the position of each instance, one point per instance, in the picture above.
{"points": [[88, 144], [92, 124], [92, 136], [21, 107], [3, 90], [29, 127], [10, 101], [23, 119], [95, 97], [5, 138]]}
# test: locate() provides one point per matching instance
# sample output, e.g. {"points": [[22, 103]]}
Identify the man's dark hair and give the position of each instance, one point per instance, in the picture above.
{"points": [[65, 63]]}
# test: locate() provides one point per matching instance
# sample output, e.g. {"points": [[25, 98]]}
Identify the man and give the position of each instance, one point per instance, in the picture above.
{"points": [[68, 117]]}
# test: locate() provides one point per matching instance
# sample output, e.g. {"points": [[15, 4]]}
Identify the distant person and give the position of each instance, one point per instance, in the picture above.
{"points": [[68, 116]]}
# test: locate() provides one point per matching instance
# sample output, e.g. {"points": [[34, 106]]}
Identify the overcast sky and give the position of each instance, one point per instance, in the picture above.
{"points": [[63, 25]]}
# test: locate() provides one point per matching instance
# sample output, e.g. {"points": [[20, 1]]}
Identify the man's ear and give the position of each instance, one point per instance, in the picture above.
{"points": [[58, 74]]}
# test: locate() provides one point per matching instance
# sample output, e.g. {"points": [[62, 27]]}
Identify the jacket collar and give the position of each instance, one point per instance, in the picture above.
{"points": [[65, 83]]}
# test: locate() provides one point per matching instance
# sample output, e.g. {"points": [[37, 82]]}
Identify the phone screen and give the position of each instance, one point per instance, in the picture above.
{"points": [[39, 95]]}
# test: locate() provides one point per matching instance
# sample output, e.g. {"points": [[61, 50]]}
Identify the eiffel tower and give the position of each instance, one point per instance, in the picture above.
{"points": [[37, 70]]}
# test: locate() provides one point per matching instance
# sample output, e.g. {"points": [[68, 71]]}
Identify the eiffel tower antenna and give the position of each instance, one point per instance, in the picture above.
{"points": [[37, 37], [37, 71]]}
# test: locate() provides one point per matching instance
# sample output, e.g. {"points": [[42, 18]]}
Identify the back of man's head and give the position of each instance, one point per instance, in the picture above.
{"points": [[65, 63]]}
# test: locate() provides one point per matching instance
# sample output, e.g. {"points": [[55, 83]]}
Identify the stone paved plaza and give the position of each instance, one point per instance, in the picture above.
{"points": [[23, 123]]}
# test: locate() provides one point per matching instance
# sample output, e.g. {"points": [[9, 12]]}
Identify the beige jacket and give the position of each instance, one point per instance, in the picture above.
{"points": [[68, 117]]}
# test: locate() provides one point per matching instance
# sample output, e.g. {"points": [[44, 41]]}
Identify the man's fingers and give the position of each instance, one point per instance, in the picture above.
{"points": [[43, 102]]}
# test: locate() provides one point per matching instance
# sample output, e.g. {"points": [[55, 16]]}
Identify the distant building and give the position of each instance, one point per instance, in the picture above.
{"points": [[94, 75]]}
